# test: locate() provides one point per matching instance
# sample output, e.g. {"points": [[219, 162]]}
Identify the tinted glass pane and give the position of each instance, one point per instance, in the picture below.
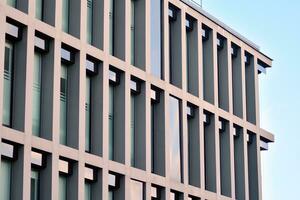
{"points": [[187, 60], [65, 15], [152, 137], [132, 127], [89, 33], [156, 37], [111, 27], [12, 3], [36, 98], [175, 151], [5, 173], [110, 195], [39, 9], [62, 189], [87, 191], [171, 48], [111, 122], [7, 84], [88, 114], [136, 190], [132, 31], [35, 179], [63, 104]]}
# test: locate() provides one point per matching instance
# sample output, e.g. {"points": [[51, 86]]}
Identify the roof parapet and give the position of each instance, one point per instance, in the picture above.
{"points": [[198, 7]]}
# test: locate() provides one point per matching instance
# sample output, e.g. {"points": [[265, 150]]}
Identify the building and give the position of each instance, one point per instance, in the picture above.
{"points": [[115, 99]]}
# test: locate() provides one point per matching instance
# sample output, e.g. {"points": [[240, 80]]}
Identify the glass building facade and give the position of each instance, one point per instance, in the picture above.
{"points": [[104, 118], [156, 38], [12, 3], [6, 179], [62, 189], [111, 26], [132, 32], [88, 114], [8, 84], [132, 128], [87, 190], [175, 139], [35, 185], [63, 104], [89, 24], [111, 120], [36, 96], [65, 15], [39, 8]]}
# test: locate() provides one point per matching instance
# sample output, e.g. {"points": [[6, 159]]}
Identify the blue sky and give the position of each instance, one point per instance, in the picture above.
{"points": [[275, 27]]}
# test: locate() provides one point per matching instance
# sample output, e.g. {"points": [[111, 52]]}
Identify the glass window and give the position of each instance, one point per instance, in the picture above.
{"points": [[156, 38], [110, 194], [175, 139], [132, 129], [189, 28], [153, 135], [12, 3], [132, 31], [89, 33], [155, 129], [65, 15], [36, 98], [111, 27], [39, 9], [136, 190], [8, 83], [88, 114], [111, 121], [5, 174], [187, 61], [63, 103], [87, 190], [35, 183], [172, 20], [62, 189]]}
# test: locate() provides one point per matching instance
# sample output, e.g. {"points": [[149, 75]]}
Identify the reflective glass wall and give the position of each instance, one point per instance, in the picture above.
{"points": [[7, 83], [89, 24], [63, 104], [65, 15], [6, 179], [175, 139], [36, 99], [156, 38]]}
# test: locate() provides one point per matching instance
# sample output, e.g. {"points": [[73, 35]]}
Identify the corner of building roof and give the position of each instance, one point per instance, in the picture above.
{"points": [[200, 9]]}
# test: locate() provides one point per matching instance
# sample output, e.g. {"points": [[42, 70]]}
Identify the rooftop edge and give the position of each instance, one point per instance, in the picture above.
{"points": [[198, 8]]}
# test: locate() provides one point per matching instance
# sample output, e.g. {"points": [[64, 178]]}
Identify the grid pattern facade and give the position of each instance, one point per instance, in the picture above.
{"points": [[127, 99]]}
